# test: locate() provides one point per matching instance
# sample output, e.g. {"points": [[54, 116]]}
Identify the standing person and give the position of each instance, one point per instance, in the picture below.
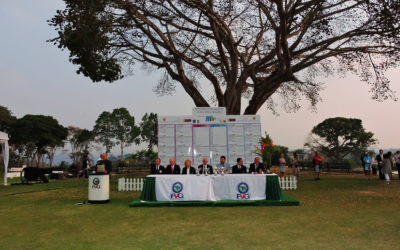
{"points": [[86, 166], [363, 163], [205, 167], [317, 162], [367, 165], [282, 165], [397, 161], [222, 164], [172, 168], [257, 167], [239, 168], [188, 169], [157, 168], [387, 166], [104, 161], [296, 165], [379, 159]]}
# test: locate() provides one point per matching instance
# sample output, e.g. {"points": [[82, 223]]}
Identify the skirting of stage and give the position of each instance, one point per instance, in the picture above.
{"points": [[286, 200]]}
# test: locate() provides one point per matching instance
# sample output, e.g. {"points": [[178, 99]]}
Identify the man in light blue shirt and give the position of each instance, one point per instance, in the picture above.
{"points": [[223, 164], [367, 165]]}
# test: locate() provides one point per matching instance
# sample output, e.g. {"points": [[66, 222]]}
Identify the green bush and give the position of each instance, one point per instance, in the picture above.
{"points": [[346, 162]]}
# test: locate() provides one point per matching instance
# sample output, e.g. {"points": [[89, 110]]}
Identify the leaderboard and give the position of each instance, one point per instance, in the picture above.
{"points": [[210, 133]]}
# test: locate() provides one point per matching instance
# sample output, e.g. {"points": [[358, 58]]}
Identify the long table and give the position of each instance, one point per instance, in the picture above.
{"points": [[211, 188]]}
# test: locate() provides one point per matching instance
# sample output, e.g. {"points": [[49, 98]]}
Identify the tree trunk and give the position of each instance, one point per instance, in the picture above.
{"points": [[122, 150]]}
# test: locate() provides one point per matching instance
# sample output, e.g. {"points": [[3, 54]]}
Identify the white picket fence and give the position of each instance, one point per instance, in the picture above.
{"points": [[136, 184], [289, 182], [130, 184]]}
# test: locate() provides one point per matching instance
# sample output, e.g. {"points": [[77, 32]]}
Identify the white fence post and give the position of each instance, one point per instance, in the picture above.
{"points": [[130, 184], [120, 181], [289, 182]]}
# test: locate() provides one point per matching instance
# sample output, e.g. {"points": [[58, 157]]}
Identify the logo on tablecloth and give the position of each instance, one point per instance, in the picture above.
{"points": [[177, 188], [243, 189]]}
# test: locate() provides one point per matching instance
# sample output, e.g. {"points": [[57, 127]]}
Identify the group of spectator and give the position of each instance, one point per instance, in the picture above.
{"points": [[386, 163], [205, 168]]}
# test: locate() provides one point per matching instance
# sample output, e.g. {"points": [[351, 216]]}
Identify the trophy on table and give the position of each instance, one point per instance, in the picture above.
{"points": [[222, 171], [215, 171], [198, 171]]}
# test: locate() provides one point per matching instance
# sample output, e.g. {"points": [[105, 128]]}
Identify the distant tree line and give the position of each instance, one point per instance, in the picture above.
{"points": [[34, 139]]}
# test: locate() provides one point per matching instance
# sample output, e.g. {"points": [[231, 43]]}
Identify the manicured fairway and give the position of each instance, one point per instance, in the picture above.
{"points": [[338, 212]]}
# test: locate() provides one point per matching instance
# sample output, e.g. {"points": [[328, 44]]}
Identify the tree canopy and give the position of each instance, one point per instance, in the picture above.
{"points": [[148, 130], [117, 127], [6, 118], [243, 48], [103, 129], [36, 133], [338, 137], [124, 130]]}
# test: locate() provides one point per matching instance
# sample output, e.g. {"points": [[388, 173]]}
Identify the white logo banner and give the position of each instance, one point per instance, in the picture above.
{"points": [[210, 188]]}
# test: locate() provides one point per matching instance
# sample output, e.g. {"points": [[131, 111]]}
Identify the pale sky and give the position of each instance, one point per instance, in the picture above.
{"points": [[37, 78]]}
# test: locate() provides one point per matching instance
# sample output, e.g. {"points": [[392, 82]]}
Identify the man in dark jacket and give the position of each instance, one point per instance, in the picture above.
{"points": [[157, 168], [172, 168], [239, 168], [204, 166], [188, 169], [257, 166], [379, 159], [104, 161]]}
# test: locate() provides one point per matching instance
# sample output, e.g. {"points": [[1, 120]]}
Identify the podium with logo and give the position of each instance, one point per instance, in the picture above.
{"points": [[99, 188]]}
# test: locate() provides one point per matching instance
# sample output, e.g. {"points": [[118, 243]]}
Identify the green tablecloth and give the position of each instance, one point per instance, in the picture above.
{"points": [[149, 189], [272, 189]]}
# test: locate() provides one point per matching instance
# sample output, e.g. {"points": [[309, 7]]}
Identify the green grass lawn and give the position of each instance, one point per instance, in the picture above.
{"points": [[338, 212]]}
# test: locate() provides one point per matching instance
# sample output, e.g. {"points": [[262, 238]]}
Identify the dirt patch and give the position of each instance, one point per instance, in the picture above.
{"points": [[369, 193]]}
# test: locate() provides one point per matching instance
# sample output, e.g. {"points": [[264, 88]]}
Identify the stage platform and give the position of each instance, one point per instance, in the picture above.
{"points": [[285, 201]]}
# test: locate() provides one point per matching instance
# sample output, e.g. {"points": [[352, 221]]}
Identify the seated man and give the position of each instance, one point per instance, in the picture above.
{"points": [[205, 166], [223, 164], [257, 166], [156, 168], [188, 169], [239, 168], [172, 168]]}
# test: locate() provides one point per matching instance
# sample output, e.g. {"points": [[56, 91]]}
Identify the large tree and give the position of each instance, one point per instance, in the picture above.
{"points": [[243, 48], [35, 133], [148, 130], [80, 141], [116, 128], [338, 137], [125, 131], [103, 129]]}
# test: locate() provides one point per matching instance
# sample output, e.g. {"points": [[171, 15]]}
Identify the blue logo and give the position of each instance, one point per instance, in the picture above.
{"points": [[243, 188], [177, 187]]}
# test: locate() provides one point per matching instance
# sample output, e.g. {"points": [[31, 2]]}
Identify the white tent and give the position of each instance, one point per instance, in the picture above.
{"points": [[5, 150]]}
